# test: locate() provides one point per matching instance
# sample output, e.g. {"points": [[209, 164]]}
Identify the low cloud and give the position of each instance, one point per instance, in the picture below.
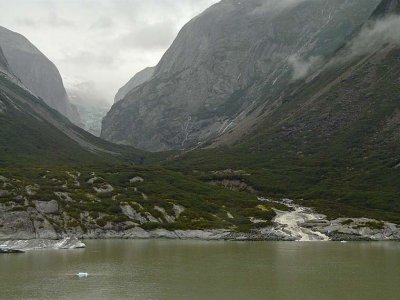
{"points": [[371, 38], [102, 23], [149, 36], [52, 19], [376, 35], [104, 41], [303, 67], [90, 58], [85, 92]]}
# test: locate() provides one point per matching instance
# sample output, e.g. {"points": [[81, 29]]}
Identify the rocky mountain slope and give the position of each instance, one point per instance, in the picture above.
{"points": [[387, 7], [140, 78], [333, 140], [3, 62], [223, 64], [36, 72], [31, 132]]}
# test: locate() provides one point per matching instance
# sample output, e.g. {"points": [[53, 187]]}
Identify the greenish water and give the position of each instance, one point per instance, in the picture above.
{"points": [[161, 269]]}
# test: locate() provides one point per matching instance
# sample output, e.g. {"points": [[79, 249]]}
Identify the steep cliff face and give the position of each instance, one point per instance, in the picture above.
{"points": [[3, 62], [222, 63], [140, 78], [36, 72], [387, 7]]}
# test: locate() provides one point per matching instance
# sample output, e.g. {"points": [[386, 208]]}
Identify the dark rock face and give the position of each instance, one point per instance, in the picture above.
{"points": [[221, 65], [3, 62], [138, 79], [387, 7], [36, 72]]}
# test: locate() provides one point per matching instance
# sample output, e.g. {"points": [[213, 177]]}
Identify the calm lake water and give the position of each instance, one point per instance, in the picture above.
{"points": [[161, 269]]}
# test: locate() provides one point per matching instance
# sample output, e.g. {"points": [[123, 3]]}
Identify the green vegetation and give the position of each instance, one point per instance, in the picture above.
{"points": [[203, 206], [335, 148], [28, 137]]}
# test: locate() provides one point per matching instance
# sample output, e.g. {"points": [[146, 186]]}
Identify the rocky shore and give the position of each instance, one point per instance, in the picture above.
{"points": [[29, 230], [334, 231]]}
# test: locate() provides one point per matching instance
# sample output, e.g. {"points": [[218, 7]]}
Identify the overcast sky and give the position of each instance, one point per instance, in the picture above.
{"points": [[100, 42]]}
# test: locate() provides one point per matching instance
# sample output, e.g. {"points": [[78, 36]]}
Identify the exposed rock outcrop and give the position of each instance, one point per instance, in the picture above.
{"points": [[3, 62], [32, 230], [131, 213], [47, 207], [16, 225]]}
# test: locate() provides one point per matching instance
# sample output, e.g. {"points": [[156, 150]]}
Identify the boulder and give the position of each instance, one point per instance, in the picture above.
{"points": [[16, 225], [47, 207], [132, 214]]}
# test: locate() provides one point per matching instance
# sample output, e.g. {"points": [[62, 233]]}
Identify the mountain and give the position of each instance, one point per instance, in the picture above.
{"points": [[58, 180], [223, 63], [333, 140], [33, 133], [140, 78], [330, 141], [36, 72]]}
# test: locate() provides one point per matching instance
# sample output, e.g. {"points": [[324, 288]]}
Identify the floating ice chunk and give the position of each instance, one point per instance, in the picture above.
{"points": [[83, 274]]}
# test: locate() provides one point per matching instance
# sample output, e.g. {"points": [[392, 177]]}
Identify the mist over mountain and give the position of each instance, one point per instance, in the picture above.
{"points": [[92, 105], [36, 72]]}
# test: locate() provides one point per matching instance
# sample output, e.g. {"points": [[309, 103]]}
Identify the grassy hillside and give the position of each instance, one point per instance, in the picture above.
{"points": [[92, 197], [334, 142], [32, 132]]}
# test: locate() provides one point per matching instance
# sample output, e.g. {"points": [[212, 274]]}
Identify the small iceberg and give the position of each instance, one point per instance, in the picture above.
{"points": [[343, 242], [83, 274], [8, 250]]}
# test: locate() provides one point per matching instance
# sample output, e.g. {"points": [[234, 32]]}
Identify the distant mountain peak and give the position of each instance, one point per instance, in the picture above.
{"points": [[36, 72], [139, 78]]}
